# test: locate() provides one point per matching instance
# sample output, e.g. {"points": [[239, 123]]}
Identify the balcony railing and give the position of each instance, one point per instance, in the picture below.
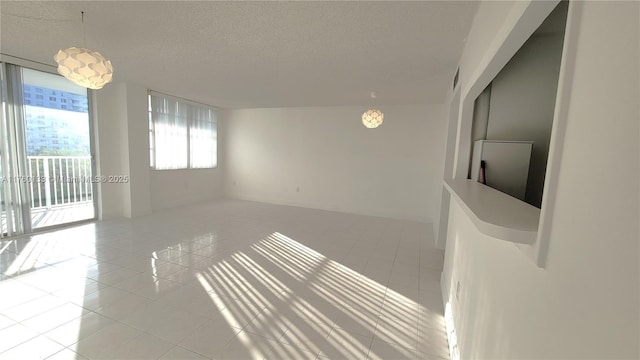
{"points": [[59, 180]]}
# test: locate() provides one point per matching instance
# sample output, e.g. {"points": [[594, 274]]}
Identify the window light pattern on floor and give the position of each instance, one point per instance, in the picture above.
{"points": [[367, 309]]}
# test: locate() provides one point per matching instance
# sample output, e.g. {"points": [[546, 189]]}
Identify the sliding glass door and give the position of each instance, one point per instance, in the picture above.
{"points": [[45, 161]]}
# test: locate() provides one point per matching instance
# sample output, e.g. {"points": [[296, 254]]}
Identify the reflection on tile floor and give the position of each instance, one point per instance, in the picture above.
{"points": [[43, 217], [225, 280]]}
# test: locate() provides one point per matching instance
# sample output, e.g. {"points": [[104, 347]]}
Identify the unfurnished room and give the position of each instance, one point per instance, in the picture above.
{"points": [[320, 180]]}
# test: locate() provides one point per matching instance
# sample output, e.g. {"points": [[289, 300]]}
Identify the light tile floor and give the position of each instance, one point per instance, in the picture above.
{"points": [[224, 280]]}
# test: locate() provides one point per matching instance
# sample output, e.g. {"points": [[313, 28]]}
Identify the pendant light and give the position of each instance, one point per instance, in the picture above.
{"points": [[372, 118], [83, 66]]}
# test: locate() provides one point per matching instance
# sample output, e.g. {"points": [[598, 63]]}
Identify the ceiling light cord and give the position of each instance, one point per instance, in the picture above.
{"points": [[84, 32]]}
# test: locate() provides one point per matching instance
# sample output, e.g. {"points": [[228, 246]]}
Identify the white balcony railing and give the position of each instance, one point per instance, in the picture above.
{"points": [[59, 180]]}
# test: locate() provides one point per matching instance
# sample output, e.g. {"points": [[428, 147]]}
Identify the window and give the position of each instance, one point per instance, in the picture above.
{"points": [[182, 134]]}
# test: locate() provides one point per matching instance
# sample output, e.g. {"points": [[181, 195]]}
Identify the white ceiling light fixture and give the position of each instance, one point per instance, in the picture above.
{"points": [[372, 118], [85, 67]]}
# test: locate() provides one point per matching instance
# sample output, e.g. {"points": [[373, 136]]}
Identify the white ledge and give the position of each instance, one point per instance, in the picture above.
{"points": [[495, 213]]}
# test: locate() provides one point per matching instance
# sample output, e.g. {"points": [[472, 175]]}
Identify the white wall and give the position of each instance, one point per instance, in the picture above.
{"points": [[487, 23], [171, 188], [441, 223], [110, 130], [584, 303], [138, 155], [325, 158]]}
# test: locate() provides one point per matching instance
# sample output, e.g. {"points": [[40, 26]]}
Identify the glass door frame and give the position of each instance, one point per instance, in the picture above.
{"points": [[26, 210]]}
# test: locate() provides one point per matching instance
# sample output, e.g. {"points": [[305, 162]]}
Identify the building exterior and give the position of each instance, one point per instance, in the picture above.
{"points": [[56, 123]]}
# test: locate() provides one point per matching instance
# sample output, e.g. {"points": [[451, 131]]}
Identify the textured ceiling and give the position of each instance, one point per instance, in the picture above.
{"points": [[257, 54]]}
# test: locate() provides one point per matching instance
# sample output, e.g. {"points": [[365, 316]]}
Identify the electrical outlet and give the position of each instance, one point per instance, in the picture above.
{"points": [[458, 291]]}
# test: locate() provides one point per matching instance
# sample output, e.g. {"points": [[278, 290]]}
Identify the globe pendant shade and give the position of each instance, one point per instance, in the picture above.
{"points": [[84, 67], [372, 118]]}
